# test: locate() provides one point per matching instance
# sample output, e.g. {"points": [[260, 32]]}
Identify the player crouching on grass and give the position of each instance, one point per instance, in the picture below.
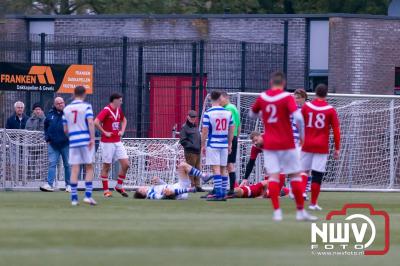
{"points": [[319, 118], [179, 191], [111, 121], [78, 125], [258, 143]]}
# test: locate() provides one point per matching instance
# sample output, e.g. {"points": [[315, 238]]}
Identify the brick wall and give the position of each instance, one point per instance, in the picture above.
{"points": [[14, 26], [363, 55], [260, 30], [15, 30]]}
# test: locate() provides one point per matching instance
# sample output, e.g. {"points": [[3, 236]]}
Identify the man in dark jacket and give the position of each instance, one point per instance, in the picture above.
{"points": [[18, 119], [191, 142], [57, 145]]}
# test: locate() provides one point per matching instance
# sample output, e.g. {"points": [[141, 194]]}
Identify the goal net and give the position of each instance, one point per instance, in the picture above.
{"points": [[370, 150], [370, 146]]}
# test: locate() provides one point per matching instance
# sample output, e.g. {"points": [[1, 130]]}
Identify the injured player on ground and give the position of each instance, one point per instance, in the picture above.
{"points": [[160, 190], [258, 190]]}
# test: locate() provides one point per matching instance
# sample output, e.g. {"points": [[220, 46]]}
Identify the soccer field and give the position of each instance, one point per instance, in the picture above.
{"points": [[43, 229]]}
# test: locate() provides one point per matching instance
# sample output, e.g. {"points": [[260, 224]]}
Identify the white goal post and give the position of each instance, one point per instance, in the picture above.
{"points": [[370, 146], [369, 161]]}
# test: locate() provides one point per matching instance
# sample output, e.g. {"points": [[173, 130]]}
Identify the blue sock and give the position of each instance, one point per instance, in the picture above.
{"points": [[194, 172], [89, 189], [218, 186], [179, 191], [224, 185], [74, 192]]}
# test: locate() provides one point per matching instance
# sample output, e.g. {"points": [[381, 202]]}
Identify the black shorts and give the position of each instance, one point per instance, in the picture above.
{"points": [[232, 156]]}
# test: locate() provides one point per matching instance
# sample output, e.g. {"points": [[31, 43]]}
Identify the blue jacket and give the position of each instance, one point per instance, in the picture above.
{"points": [[14, 123], [54, 129]]}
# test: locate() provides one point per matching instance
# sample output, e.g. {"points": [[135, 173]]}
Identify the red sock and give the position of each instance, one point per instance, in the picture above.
{"points": [[315, 189], [297, 189], [282, 178], [104, 180], [304, 178], [120, 180], [273, 189]]}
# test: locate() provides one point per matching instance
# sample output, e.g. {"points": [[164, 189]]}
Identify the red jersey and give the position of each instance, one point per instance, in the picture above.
{"points": [[276, 107], [253, 191], [319, 118], [254, 152], [111, 119]]}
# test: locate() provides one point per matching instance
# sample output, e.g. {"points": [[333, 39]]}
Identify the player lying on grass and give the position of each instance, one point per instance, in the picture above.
{"points": [[179, 191], [258, 190]]}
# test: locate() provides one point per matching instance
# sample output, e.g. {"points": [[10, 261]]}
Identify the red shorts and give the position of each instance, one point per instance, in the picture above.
{"points": [[253, 191]]}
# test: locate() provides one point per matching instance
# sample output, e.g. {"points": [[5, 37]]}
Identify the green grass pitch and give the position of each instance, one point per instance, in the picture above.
{"points": [[43, 229]]}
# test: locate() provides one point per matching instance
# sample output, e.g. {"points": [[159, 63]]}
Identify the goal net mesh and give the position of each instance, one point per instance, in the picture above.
{"points": [[370, 140], [369, 160]]}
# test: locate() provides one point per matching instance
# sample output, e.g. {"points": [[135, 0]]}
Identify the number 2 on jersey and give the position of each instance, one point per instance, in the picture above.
{"points": [[319, 120], [271, 108], [220, 124]]}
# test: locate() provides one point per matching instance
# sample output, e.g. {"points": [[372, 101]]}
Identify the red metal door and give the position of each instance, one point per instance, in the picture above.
{"points": [[170, 100]]}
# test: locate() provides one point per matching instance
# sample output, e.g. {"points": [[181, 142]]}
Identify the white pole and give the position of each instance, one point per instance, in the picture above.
{"points": [[238, 164], [392, 166]]}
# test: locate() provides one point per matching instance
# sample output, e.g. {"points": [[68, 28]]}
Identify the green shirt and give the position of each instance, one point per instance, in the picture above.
{"points": [[235, 116]]}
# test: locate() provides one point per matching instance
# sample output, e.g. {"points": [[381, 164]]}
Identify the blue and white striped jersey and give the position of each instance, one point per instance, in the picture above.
{"points": [[218, 120], [296, 133], [75, 117], [156, 192]]}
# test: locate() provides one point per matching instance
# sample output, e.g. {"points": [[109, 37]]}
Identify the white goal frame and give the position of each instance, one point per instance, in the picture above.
{"points": [[349, 107], [369, 162]]}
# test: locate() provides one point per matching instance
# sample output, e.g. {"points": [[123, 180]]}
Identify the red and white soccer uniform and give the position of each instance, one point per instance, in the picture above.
{"points": [[254, 152], [258, 190], [112, 147], [280, 155], [319, 118], [253, 191]]}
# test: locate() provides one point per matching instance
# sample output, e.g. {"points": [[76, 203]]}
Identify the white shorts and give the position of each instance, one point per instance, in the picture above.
{"points": [[216, 156], [283, 161], [182, 183], [314, 161], [113, 151], [81, 155], [298, 149]]}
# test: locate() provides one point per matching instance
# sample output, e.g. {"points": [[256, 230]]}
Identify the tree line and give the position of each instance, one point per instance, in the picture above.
{"points": [[67, 7]]}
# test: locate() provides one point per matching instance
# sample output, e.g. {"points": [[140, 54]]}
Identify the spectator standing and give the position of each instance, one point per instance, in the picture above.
{"points": [[18, 119], [58, 144], [36, 121], [191, 142]]}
